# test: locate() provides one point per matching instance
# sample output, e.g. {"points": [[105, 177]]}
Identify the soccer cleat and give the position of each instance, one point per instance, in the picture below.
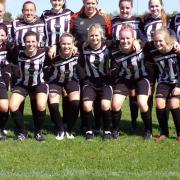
{"points": [[60, 135], [5, 131], [89, 135], [147, 135], [160, 138], [69, 135], [97, 132], [21, 137], [178, 139], [39, 136], [107, 135], [2, 135], [115, 134]]}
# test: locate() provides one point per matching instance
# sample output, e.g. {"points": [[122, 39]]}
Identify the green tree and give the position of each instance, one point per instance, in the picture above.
{"points": [[8, 16]]}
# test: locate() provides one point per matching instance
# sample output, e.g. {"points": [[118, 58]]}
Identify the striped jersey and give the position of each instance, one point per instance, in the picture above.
{"points": [[56, 25], [64, 69], [9, 26], [4, 57], [31, 68], [175, 25], [135, 22], [128, 66], [150, 26], [95, 62], [20, 27], [168, 64]]}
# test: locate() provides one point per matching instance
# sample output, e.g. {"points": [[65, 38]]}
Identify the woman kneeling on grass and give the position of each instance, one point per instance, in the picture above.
{"points": [[128, 72], [64, 76], [95, 61], [168, 88], [31, 81]]}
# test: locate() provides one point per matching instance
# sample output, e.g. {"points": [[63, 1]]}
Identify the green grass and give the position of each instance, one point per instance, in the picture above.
{"points": [[130, 157]]}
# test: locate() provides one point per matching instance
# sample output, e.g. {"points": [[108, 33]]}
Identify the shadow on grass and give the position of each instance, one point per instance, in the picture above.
{"points": [[49, 128], [126, 128]]}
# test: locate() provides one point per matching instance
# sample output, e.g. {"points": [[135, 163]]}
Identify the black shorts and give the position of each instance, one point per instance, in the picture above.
{"points": [[69, 86], [141, 86], [90, 93], [32, 90], [164, 91], [3, 90]]}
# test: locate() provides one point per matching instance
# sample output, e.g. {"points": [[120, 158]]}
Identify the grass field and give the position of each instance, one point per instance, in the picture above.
{"points": [[130, 157]]}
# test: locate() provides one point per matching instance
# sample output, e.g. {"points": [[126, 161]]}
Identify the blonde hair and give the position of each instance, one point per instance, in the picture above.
{"points": [[97, 27], [127, 27], [170, 40], [66, 34]]}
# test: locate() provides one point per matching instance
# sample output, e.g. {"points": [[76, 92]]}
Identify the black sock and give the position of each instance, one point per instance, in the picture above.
{"points": [[19, 121], [65, 108], [163, 123], [33, 108], [97, 114], [116, 118], [176, 119], [21, 107], [82, 122], [88, 120], [106, 120], [133, 107], [150, 105], [39, 122], [3, 119], [56, 116], [147, 121], [167, 115], [73, 114]]}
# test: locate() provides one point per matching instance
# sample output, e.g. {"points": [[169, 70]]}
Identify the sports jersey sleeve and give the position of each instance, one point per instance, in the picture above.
{"points": [[108, 22], [81, 73]]}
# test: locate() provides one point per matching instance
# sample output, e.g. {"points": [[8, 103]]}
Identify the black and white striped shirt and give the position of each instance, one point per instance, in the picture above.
{"points": [[4, 57], [56, 25], [168, 64], [31, 68], [20, 27], [95, 62], [175, 25], [9, 27], [128, 66], [64, 69], [135, 22], [150, 26]]}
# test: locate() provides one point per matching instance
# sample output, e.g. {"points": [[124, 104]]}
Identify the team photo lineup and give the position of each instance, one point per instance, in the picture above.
{"points": [[91, 62]]}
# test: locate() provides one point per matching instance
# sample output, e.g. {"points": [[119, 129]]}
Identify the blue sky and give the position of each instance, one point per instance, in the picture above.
{"points": [[14, 6]]}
